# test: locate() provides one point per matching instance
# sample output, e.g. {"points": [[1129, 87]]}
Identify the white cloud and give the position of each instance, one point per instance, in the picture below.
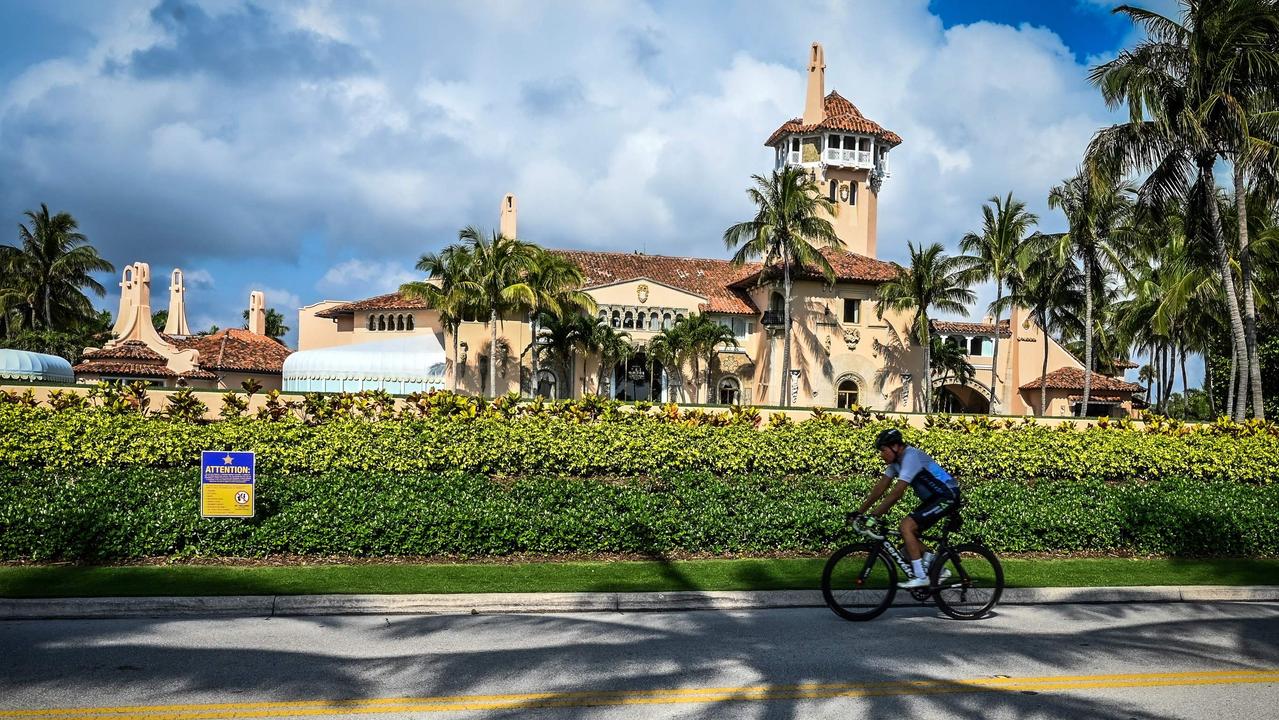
{"points": [[197, 278], [356, 277], [619, 125], [284, 301]]}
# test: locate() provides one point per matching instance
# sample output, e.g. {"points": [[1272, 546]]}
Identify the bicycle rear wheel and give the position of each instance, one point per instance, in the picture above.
{"points": [[859, 582], [967, 581]]}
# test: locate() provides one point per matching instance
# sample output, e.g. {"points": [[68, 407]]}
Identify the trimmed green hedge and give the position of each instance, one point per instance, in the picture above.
{"points": [[72, 440], [112, 515]]}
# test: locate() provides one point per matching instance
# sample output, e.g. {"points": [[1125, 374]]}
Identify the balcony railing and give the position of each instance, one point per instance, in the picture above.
{"points": [[855, 158]]}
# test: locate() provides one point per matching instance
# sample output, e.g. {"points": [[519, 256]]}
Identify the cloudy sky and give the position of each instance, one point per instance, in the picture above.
{"points": [[314, 149]]}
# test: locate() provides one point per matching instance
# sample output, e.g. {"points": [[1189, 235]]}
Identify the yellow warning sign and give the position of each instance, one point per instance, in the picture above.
{"points": [[226, 500], [226, 484]]}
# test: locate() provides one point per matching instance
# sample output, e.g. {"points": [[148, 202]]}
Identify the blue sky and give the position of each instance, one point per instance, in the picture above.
{"points": [[314, 149]]}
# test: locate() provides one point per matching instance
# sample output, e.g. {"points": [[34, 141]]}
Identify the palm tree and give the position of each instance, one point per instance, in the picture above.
{"points": [[445, 292], [497, 280], [705, 338], [560, 336], [1005, 226], [611, 345], [556, 283], [1189, 87], [58, 261], [1146, 374], [1048, 285], [934, 281], [669, 348], [789, 228], [1095, 209], [949, 362]]}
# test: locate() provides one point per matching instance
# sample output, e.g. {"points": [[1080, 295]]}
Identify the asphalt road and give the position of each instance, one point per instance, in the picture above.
{"points": [[1081, 662]]}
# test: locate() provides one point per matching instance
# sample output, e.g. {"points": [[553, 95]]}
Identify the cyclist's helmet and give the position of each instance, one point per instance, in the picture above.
{"points": [[888, 438]]}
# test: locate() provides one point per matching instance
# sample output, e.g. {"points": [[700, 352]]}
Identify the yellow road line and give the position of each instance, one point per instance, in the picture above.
{"points": [[588, 698]]}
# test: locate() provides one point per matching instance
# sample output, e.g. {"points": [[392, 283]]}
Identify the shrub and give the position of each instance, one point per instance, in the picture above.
{"points": [[119, 514]]}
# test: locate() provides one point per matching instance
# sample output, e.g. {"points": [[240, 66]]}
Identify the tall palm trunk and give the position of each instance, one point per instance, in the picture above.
{"points": [[1249, 305], [1150, 378], [1043, 373], [1238, 339], [1212, 400], [928, 363], [994, 357], [1185, 386], [456, 366], [1230, 394], [493, 354], [533, 343], [1083, 407], [786, 381]]}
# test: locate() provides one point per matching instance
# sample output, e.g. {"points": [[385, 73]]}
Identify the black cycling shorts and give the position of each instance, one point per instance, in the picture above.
{"points": [[933, 509]]}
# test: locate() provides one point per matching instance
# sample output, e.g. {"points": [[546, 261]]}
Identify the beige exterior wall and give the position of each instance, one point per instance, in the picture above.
{"points": [[318, 332], [854, 223], [1026, 357]]}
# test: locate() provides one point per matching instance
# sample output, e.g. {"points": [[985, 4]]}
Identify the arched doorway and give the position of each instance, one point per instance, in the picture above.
{"points": [[635, 380], [730, 391], [546, 384], [962, 399], [847, 394]]}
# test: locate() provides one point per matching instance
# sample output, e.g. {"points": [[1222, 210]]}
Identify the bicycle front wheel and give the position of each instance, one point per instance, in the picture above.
{"points": [[967, 581], [859, 582]]}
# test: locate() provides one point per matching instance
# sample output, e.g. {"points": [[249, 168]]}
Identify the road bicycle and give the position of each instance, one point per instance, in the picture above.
{"points": [[859, 581]]}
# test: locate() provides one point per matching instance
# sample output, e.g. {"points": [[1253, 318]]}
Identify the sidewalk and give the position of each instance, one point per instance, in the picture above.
{"points": [[508, 603]]}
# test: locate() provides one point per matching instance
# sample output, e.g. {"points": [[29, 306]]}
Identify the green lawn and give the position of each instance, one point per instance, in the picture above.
{"points": [[756, 574]]}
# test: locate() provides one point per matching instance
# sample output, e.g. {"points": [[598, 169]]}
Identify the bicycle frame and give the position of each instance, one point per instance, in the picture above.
{"points": [[894, 552]]}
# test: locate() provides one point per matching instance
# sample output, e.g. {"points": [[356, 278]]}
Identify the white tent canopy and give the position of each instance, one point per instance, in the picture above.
{"points": [[399, 366], [34, 367]]}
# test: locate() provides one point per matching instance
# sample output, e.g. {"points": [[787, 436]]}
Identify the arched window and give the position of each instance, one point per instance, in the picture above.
{"points": [[847, 395], [666, 321], [617, 318], [408, 323], [777, 304], [852, 193], [639, 320], [372, 322], [730, 391], [604, 315], [976, 346], [834, 189], [399, 322], [545, 385], [628, 320], [381, 322], [679, 318]]}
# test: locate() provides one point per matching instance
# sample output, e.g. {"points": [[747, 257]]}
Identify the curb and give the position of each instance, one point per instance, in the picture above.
{"points": [[514, 603]]}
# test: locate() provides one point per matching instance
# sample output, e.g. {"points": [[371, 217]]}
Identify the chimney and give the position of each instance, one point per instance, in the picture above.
{"points": [[177, 322], [814, 104], [506, 224], [257, 313]]}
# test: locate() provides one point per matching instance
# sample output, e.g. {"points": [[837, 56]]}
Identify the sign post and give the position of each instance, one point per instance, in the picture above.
{"points": [[226, 484]]}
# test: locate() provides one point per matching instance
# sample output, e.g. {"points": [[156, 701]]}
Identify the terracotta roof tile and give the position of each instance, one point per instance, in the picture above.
{"points": [[848, 267], [1071, 378], [967, 328], [1125, 364], [840, 115], [707, 277], [127, 350], [389, 301], [1096, 398], [123, 367], [238, 350], [722, 283]]}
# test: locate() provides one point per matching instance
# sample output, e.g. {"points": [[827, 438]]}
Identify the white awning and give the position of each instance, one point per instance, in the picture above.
{"points": [[34, 367], [399, 366]]}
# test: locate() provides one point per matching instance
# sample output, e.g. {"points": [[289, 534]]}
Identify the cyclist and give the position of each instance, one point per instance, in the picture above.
{"points": [[937, 491]]}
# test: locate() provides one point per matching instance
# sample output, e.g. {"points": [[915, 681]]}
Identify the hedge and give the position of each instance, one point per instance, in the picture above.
{"points": [[106, 515], [81, 439]]}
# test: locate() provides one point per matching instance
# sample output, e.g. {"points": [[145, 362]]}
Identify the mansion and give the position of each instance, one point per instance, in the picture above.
{"points": [[843, 352]]}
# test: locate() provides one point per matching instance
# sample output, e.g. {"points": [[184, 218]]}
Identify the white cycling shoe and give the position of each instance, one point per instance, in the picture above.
{"points": [[915, 582]]}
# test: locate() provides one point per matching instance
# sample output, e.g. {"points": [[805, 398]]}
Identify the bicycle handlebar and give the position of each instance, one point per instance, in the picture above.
{"points": [[866, 526]]}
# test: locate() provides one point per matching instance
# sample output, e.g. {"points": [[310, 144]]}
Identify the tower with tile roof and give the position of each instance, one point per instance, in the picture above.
{"points": [[844, 152]]}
